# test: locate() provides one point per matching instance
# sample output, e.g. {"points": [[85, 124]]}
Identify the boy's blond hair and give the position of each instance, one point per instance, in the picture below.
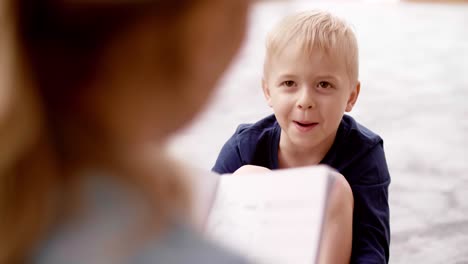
{"points": [[312, 30]]}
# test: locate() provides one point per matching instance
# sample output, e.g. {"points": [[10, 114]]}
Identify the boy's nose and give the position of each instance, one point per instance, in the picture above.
{"points": [[305, 106], [305, 101]]}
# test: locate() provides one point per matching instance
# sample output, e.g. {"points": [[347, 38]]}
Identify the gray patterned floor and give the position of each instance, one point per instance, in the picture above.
{"points": [[414, 73]]}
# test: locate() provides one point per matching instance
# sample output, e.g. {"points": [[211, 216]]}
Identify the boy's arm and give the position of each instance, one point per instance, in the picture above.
{"points": [[371, 227]]}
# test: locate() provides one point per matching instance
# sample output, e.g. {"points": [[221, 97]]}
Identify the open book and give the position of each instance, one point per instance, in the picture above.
{"points": [[273, 217]]}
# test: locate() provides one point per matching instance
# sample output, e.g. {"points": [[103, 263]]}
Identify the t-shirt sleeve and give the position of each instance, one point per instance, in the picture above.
{"points": [[371, 227], [229, 158]]}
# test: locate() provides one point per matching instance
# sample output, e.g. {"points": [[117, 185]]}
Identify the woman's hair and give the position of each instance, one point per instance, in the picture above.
{"points": [[57, 45]]}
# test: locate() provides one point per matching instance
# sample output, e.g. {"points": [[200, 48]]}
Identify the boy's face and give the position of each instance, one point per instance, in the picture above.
{"points": [[309, 95]]}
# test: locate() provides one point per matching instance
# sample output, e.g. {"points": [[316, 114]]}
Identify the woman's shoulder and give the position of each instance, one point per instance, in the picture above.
{"points": [[110, 229], [183, 245], [179, 245]]}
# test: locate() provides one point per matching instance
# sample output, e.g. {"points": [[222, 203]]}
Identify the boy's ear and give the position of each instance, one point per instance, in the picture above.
{"points": [[266, 92], [353, 97]]}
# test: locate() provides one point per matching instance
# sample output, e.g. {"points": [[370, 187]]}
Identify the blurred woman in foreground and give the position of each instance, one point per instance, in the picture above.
{"points": [[90, 88]]}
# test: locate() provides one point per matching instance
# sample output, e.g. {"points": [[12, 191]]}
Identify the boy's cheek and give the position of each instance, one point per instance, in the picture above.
{"points": [[283, 110]]}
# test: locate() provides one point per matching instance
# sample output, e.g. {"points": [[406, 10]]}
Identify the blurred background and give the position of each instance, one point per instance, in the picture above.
{"points": [[414, 92]]}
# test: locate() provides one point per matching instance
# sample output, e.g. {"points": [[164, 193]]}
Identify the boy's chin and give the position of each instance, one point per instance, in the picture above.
{"points": [[302, 142]]}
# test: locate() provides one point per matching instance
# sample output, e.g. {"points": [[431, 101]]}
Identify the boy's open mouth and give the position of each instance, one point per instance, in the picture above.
{"points": [[305, 124]]}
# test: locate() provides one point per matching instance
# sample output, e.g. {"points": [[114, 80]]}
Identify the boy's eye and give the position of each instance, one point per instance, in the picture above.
{"points": [[324, 85], [288, 83]]}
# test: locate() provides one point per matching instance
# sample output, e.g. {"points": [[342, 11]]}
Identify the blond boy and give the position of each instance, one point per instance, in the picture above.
{"points": [[311, 78]]}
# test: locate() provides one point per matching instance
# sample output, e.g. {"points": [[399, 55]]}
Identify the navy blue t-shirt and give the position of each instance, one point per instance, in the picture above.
{"points": [[357, 153]]}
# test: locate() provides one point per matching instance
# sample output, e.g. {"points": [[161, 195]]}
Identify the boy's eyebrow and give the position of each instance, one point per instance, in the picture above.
{"points": [[286, 76], [321, 76], [328, 76]]}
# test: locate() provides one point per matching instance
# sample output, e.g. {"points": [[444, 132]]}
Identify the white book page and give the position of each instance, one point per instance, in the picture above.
{"points": [[274, 217]]}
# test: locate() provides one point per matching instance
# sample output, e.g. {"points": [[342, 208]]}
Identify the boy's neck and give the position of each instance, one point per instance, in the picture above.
{"points": [[291, 156]]}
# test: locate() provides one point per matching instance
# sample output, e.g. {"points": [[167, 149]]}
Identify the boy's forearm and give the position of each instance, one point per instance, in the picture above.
{"points": [[251, 169]]}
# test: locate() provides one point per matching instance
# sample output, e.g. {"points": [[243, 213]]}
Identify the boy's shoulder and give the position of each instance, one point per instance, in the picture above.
{"points": [[257, 143], [255, 131], [253, 143], [266, 123], [351, 131], [355, 146]]}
